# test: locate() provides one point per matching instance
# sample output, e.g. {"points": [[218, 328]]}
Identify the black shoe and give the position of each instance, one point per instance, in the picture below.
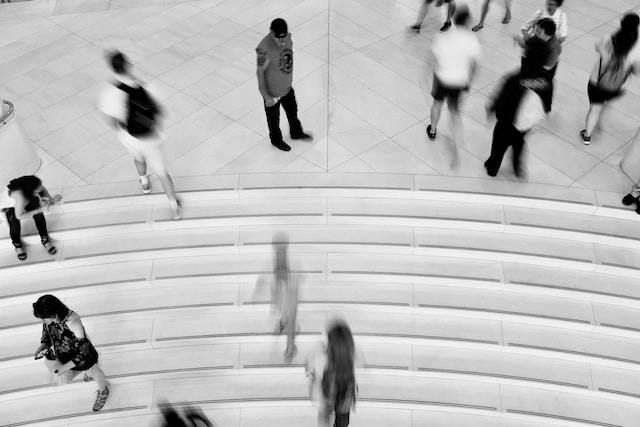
{"points": [[48, 245], [629, 200], [486, 166], [445, 27], [431, 133], [303, 136], [415, 28], [281, 145]]}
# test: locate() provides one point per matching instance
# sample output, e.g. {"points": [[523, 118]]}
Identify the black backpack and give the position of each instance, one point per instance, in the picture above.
{"points": [[141, 111]]}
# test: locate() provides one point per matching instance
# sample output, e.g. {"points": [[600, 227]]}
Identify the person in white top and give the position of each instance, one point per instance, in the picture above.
{"points": [[454, 56], [135, 112], [285, 292], [553, 11]]}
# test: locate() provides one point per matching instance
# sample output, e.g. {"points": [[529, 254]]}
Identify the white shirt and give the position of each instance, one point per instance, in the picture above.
{"points": [[559, 17], [455, 52]]}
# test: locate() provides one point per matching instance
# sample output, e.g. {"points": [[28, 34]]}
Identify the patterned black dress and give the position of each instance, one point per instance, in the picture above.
{"points": [[65, 346]]}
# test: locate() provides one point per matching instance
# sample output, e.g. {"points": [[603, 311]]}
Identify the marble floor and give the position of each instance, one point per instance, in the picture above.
{"points": [[362, 83]]}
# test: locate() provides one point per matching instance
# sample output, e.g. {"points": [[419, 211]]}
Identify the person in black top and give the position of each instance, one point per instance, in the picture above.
{"points": [[26, 197], [66, 346]]}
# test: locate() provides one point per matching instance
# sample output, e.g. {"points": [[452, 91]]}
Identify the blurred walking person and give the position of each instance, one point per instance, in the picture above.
{"points": [[485, 10], [522, 102], [619, 58], [285, 292], [67, 348], [332, 378], [26, 197], [135, 114], [455, 56]]}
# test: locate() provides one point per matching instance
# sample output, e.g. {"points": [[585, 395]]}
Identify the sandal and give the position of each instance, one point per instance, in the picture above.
{"points": [[22, 255], [49, 246], [431, 133], [478, 27], [586, 139]]}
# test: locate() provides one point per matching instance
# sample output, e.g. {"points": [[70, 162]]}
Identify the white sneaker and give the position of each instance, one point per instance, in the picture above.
{"points": [[146, 186]]}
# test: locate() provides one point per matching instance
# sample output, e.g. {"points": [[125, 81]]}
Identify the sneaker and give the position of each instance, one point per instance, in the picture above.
{"points": [[415, 28], [281, 145], [176, 211], [303, 136], [445, 27], [146, 187], [290, 353], [586, 139], [101, 399], [629, 199]]}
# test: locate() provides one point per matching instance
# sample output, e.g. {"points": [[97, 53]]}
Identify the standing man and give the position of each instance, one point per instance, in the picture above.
{"points": [[135, 114], [424, 8], [455, 58], [275, 74], [549, 46]]}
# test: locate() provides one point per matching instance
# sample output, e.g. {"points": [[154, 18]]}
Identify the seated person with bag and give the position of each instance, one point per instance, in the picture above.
{"points": [[26, 197]]}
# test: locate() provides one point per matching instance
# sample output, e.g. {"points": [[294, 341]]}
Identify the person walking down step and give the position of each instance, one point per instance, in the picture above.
{"points": [[618, 59], [285, 292], [66, 347], [26, 197], [275, 76], [330, 370], [135, 114]]}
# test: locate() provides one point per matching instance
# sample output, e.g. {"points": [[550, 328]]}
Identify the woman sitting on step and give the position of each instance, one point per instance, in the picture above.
{"points": [[26, 197]]}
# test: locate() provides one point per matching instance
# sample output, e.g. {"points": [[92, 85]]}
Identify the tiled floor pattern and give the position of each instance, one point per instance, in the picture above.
{"points": [[362, 83]]}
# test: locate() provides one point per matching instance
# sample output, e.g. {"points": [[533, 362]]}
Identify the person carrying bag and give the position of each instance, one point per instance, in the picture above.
{"points": [[26, 197]]}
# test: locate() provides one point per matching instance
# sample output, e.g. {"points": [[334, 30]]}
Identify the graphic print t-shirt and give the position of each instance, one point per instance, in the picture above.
{"points": [[279, 73]]}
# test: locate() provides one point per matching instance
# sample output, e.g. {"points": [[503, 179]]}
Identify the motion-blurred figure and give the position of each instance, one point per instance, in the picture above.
{"points": [[332, 378], [285, 292], [619, 59], [454, 56], [193, 417]]}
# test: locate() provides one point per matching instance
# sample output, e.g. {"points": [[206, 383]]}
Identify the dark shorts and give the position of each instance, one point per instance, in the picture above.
{"points": [[441, 92], [600, 96]]}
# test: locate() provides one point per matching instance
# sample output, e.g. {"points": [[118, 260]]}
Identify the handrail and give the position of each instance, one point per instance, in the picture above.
{"points": [[9, 112]]}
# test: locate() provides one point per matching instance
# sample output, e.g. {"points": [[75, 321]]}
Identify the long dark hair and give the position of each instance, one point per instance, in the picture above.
{"points": [[338, 381], [48, 306], [626, 37]]}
